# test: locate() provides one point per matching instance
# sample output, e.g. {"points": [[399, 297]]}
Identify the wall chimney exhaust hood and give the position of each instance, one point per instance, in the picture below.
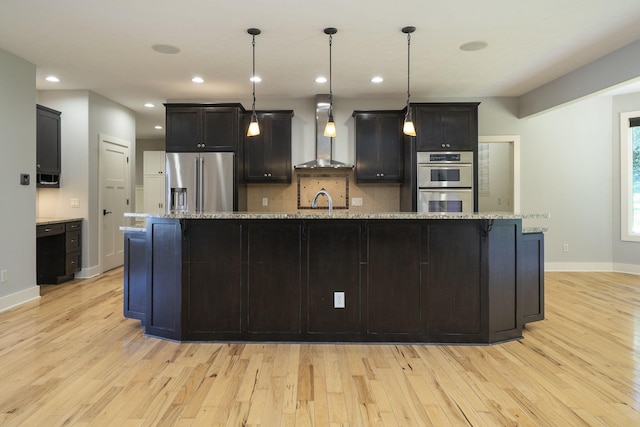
{"points": [[323, 158]]}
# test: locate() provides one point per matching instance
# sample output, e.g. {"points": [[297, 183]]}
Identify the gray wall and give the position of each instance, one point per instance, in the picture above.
{"points": [[18, 148]]}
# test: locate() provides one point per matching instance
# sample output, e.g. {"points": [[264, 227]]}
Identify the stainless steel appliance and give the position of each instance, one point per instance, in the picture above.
{"points": [[445, 181], [199, 182]]}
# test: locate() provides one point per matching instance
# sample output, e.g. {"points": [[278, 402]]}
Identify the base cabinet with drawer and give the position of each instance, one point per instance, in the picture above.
{"points": [[58, 251]]}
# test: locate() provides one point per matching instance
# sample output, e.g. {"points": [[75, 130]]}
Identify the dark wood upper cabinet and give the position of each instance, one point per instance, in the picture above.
{"points": [[267, 157], [202, 127], [446, 126], [379, 145], [48, 147]]}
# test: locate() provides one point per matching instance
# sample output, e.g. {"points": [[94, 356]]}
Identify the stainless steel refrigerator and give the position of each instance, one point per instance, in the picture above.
{"points": [[199, 182]]}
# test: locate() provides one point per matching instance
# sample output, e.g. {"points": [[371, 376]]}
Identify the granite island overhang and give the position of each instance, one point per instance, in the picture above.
{"points": [[379, 277]]}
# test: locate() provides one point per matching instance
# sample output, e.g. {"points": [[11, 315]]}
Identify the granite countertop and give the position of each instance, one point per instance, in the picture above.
{"points": [[135, 229], [339, 215], [46, 220]]}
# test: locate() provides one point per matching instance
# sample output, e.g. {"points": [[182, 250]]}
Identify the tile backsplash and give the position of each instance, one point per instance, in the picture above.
{"points": [[340, 185]]}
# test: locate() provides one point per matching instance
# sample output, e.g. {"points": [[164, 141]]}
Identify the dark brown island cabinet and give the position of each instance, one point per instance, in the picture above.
{"points": [[350, 279], [58, 251]]}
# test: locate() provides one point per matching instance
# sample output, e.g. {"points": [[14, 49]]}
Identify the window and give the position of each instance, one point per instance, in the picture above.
{"points": [[630, 175]]}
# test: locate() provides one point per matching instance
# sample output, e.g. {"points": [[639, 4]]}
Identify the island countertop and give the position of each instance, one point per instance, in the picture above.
{"points": [[341, 215]]}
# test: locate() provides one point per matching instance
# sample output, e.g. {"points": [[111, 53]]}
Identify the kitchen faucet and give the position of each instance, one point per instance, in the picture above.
{"points": [[314, 202]]}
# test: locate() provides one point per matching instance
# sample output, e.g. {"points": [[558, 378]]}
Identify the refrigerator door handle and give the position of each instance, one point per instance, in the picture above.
{"points": [[200, 184]]}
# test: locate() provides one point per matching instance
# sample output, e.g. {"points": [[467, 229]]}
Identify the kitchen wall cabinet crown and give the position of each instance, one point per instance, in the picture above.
{"points": [[202, 127], [379, 145], [267, 157], [48, 163], [446, 126]]}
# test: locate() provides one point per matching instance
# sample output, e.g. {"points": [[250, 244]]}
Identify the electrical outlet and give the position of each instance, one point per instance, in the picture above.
{"points": [[338, 299], [565, 247], [356, 201], [75, 203], [265, 201], [4, 276]]}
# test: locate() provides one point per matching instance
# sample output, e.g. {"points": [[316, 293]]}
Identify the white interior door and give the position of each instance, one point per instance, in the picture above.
{"points": [[114, 199]]}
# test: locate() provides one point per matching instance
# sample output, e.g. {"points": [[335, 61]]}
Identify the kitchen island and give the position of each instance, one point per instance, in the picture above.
{"points": [[390, 277]]}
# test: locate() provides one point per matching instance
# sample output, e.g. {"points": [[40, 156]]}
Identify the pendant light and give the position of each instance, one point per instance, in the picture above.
{"points": [[408, 127], [330, 129], [254, 128]]}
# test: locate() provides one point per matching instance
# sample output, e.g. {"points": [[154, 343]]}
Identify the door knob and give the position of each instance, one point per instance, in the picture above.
{"points": [[105, 212]]}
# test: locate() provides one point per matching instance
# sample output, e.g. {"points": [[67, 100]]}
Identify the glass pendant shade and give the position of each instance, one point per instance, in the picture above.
{"points": [[408, 128], [330, 128], [254, 127]]}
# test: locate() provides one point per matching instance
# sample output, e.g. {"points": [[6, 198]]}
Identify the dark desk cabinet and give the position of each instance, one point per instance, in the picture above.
{"points": [[59, 251], [202, 127], [267, 157], [379, 146], [48, 164]]}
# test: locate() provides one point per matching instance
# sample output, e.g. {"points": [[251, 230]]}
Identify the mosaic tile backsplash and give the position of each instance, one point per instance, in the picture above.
{"points": [[340, 185]]}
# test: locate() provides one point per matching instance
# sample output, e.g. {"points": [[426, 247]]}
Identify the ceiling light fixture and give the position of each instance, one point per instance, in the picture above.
{"points": [[321, 79], [52, 79], [408, 128], [330, 129], [377, 79], [197, 79], [149, 105], [254, 127]]}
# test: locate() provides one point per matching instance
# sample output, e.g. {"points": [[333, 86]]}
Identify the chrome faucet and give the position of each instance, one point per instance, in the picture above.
{"points": [[314, 202]]}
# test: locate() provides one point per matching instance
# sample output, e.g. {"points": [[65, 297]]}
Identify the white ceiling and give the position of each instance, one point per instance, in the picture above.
{"points": [[105, 46]]}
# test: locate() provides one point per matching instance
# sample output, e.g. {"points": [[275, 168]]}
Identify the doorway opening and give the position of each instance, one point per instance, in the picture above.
{"points": [[499, 173]]}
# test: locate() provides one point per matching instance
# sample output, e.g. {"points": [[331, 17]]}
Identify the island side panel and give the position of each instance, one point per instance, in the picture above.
{"points": [[164, 278], [454, 288], [503, 243], [214, 288], [393, 291], [333, 261], [532, 278], [274, 277]]}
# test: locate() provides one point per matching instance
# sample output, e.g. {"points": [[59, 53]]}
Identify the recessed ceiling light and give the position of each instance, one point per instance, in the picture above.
{"points": [[472, 46], [256, 79], [197, 79], [377, 79], [165, 48], [157, 127], [149, 105], [321, 79], [52, 79]]}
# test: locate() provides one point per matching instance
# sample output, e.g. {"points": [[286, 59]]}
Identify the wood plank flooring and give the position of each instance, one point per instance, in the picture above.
{"points": [[71, 358]]}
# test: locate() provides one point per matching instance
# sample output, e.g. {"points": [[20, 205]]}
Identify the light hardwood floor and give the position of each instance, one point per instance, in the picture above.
{"points": [[71, 358]]}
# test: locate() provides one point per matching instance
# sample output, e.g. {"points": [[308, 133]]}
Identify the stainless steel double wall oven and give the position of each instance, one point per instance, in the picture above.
{"points": [[445, 181]]}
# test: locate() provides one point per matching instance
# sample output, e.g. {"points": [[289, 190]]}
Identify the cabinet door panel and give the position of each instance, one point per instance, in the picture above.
{"points": [[379, 146], [333, 265], [453, 282], [268, 155], [214, 296], [532, 277], [220, 128], [183, 133], [274, 295], [135, 277], [394, 289]]}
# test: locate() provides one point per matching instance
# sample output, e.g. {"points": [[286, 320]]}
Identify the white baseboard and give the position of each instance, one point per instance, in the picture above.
{"points": [[592, 266], [87, 273], [19, 298]]}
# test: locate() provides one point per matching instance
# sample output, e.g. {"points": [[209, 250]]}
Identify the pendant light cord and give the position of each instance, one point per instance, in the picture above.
{"points": [[408, 66], [330, 78], [253, 75]]}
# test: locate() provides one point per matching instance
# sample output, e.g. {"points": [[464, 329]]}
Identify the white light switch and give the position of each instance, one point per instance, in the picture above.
{"points": [[338, 299], [356, 201], [75, 203], [265, 201]]}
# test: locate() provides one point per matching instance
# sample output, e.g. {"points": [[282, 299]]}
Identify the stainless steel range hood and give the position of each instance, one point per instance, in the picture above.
{"points": [[324, 144]]}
